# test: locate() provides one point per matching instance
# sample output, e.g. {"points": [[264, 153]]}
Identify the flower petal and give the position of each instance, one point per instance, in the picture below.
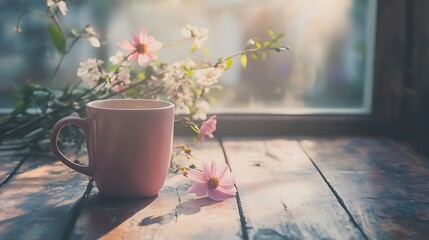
{"points": [[143, 60], [206, 169], [154, 45], [200, 189], [152, 55], [231, 191], [126, 45], [213, 168], [94, 42], [133, 56], [63, 7], [227, 179], [50, 3], [136, 38], [217, 195], [221, 171], [143, 35], [197, 176], [202, 137]]}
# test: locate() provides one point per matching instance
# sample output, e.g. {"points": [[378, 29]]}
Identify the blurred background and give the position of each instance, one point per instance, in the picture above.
{"points": [[329, 68]]}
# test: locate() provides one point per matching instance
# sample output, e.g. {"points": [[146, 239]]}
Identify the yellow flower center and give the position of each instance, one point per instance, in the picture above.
{"points": [[213, 182], [141, 48]]}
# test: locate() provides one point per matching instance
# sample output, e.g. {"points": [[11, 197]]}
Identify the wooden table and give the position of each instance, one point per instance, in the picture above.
{"points": [[288, 188]]}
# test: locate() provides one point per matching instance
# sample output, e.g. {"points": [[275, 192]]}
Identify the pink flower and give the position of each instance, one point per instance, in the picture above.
{"points": [[142, 47], [216, 182], [207, 128]]}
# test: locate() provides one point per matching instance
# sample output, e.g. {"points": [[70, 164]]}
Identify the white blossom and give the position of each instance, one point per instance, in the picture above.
{"points": [[120, 80], [179, 84], [90, 30], [90, 71], [201, 108], [198, 35], [93, 40], [208, 76], [59, 3], [251, 42], [117, 58]]}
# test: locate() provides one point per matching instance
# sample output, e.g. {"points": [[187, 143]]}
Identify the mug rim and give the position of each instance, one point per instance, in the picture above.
{"points": [[167, 104]]}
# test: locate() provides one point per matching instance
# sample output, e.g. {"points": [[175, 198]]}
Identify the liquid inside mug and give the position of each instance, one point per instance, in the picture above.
{"points": [[129, 145]]}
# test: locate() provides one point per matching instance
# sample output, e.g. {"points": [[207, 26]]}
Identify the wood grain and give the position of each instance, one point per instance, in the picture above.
{"points": [[173, 214], [282, 194], [385, 189], [38, 201]]}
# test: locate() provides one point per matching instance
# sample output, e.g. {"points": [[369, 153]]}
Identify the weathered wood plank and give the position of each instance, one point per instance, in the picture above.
{"points": [[38, 201], [282, 194], [173, 214], [9, 162], [385, 189]]}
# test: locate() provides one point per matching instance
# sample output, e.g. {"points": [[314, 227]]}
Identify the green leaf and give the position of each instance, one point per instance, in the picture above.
{"points": [[280, 36], [228, 63], [132, 93], [243, 60], [263, 55], [205, 51], [266, 44], [193, 48], [271, 33], [57, 37], [112, 68], [141, 75], [188, 72], [258, 45], [255, 56]]}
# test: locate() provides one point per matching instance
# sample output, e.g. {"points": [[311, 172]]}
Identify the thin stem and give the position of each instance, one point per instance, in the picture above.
{"points": [[75, 86], [63, 55], [62, 59], [29, 11], [251, 50], [56, 20], [72, 44], [179, 166], [20, 127]]}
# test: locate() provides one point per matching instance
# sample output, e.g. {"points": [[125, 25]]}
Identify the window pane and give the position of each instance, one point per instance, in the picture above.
{"points": [[327, 70]]}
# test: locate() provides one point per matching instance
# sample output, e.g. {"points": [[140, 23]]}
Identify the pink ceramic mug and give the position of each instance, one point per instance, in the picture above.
{"points": [[129, 145]]}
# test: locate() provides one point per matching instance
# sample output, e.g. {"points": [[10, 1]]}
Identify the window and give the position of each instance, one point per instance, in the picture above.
{"points": [[328, 69]]}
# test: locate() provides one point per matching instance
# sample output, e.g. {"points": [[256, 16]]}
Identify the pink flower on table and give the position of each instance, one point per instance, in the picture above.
{"points": [[207, 128], [217, 182], [142, 47]]}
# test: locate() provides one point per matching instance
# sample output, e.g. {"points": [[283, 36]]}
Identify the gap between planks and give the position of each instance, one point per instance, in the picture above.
{"points": [[337, 196], [77, 209], [14, 170], [164, 216], [291, 163], [243, 223]]}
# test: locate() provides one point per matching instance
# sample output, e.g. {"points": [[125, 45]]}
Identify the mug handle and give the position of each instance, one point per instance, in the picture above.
{"points": [[82, 123]]}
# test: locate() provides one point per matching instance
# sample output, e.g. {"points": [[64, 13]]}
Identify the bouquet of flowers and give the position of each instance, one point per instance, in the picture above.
{"points": [[133, 72]]}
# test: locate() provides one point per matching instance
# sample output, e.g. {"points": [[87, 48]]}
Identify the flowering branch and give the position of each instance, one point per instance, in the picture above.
{"points": [[186, 83]]}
